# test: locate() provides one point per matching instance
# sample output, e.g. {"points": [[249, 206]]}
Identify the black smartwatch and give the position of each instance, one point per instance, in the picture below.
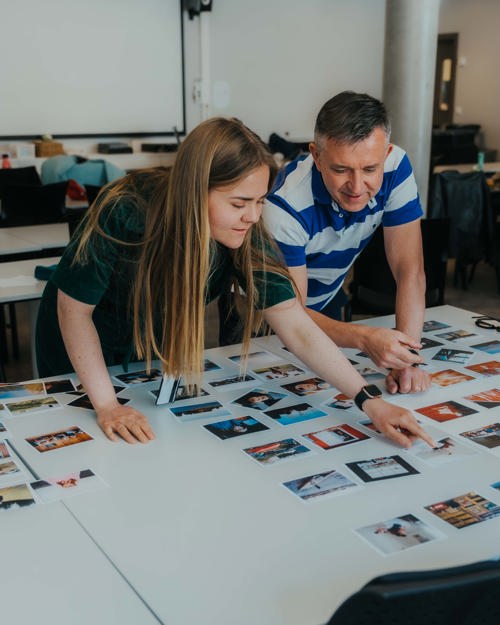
{"points": [[367, 392]]}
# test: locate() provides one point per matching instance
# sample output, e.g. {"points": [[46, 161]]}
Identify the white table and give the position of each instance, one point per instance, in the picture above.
{"points": [[53, 573], [34, 238], [17, 284], [12, 243], [204, 534], [17, 281]]}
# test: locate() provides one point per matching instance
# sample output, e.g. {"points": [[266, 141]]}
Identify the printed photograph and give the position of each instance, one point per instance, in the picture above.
{"points": [[13, 391], [29, 406], [307, 387], [83, 401], [198, 411], [446, 411], [184, 393], [336, 436], [256, 359], [431, 326], [15, 497], [239, 426], [448, 449], [278, 451], [398, 534], [67, 485], [448, 377], [488, 435], [455, 335], [367, 423], [139, 377], [464, 510], [427, 342], [208, 365], [385, 468], [259, 399], [3, 429], [340, 402], [369, 373], [232, 380], [59, 386], [278, 371], [8, 469], [79, 391], [495, 485], [4, 451], [486, 399], [460, 356], [57, 440], [490, 347], [319, 485], [295, 413], [492, 367]]}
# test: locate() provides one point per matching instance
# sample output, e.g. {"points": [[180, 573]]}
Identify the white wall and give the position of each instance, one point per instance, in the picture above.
{"points": [[281, 59], [477, 91]]}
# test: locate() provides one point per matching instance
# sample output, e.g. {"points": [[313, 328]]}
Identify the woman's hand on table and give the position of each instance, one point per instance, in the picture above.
{"points": [[395, 422], [124, 422]]}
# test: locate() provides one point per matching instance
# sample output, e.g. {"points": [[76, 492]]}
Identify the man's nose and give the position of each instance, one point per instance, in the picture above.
{"points": [[356, 182]]}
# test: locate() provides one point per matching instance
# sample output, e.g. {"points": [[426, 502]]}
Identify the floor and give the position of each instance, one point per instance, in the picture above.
{"points": [[481, 297]]}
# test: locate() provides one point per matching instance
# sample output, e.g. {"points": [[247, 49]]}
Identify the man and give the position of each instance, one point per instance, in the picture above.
{"points": [[322, 213]]}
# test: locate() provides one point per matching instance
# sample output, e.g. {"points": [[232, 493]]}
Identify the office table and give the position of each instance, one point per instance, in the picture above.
{"points": [[25, 242], [17, 284], [203, 533]]}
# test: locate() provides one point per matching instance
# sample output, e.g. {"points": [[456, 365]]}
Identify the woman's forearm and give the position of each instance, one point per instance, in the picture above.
{"points": [[307, 341], [84, 350]]}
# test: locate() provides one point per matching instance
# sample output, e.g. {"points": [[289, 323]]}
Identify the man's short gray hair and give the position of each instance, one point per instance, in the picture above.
{"points": [[350, 117]]}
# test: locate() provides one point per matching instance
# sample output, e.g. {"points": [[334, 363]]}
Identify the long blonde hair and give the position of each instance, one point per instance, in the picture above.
{"points": [[173, 265]]}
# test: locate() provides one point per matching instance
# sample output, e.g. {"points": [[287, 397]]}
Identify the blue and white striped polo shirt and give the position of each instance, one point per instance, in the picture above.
{"points": [[311, 229]]}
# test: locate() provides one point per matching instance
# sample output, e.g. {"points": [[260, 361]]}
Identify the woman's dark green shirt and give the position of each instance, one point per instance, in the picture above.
{"points": [[105, 281]]}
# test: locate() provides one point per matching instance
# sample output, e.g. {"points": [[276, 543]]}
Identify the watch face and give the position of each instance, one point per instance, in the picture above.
{"points": [[373, 390]]}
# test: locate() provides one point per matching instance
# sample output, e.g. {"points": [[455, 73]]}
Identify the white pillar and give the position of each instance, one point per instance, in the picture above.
{"points": [[411, 32]]}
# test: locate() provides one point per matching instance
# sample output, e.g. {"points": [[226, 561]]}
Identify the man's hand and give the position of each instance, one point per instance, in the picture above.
{"points": [[407, 380], [125, 422], [397, 423], [389, 348]]}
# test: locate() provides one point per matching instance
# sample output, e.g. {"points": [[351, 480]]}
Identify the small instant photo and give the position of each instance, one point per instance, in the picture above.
{"points": [[168, 390]]}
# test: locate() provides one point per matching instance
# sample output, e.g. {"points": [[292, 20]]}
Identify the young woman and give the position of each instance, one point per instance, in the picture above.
{"points": [[158, 245]]}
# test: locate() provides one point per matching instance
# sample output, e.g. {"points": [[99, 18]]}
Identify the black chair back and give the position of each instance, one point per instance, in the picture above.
{"points": [[31, 204], [462, 595], [465, 199], [373, 288]]}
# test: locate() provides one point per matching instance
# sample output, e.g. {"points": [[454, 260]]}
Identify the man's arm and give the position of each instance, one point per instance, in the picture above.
{"points": [[386, 348], [403, 248]]}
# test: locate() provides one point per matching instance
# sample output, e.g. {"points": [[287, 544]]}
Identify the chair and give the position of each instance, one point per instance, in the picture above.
{"points": [[26, 205], [373, 288], [465, 199], [462, 595]]}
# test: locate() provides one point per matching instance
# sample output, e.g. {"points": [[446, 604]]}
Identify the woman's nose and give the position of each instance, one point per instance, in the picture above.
{"points": [[252, 213]]}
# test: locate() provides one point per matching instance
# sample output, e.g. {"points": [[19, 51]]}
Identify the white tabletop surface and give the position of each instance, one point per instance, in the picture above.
{"points": [[42, 236], [13, 243], [17, 280], [54, 574], [204, 534]]}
